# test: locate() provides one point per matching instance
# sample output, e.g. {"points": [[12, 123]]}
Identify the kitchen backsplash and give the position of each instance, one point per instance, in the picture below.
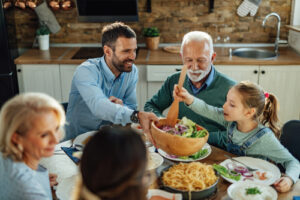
{"points": [[174, 18]]}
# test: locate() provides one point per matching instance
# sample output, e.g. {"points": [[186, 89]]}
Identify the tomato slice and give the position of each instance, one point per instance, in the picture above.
{"points": [[198, 128]]}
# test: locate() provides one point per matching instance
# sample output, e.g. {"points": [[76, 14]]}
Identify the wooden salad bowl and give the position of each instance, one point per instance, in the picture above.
{"points": [[175, 144]]}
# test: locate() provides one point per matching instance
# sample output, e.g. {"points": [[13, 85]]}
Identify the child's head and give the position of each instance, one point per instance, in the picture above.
{"points": [[261, 107], [113, 164]]}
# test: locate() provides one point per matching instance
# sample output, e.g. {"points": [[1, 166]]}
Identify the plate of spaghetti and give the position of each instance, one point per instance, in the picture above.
{"points": [[193, 180]]}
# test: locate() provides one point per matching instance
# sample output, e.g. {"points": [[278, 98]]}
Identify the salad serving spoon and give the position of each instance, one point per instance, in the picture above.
{"points": [[234, 160], [174, 109]]}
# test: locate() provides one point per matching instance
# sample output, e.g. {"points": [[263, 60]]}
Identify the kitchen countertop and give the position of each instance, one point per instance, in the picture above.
{"points": [[63, 55]]}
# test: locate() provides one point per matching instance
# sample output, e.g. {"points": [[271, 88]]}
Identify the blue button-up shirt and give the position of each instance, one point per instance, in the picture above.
{"points": [[207, 83], [89, 107]]}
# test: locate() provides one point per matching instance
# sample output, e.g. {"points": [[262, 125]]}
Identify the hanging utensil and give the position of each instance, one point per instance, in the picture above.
{"points": [[174, 109]]}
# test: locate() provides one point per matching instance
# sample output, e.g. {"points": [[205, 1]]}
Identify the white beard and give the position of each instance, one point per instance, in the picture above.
{"points": [[197, 78]]}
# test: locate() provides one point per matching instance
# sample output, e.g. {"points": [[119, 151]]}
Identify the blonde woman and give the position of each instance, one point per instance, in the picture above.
{"points": [[30, 127]]}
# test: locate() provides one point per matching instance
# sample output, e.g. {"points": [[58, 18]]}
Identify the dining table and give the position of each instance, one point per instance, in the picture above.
{"points": [[67, 172]]}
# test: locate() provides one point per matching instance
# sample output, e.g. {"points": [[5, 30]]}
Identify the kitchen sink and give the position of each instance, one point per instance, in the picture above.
{"points": [[254, 53], [91, 52]]}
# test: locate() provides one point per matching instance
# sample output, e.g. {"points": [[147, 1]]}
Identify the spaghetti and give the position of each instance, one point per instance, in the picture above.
{"points": [[190, 176]]}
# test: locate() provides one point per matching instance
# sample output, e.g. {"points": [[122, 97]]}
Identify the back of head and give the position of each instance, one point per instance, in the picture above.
{"points": [[17, 116], [112, 32], [197, 36], [266, 106], [113, 164]]}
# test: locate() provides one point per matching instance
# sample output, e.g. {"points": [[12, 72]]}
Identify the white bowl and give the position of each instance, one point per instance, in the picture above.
{"points": [[236, 191]]}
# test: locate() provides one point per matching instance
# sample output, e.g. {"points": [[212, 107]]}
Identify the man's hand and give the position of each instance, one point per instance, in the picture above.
{"points": [[145, 119], [52, 179], [115, 100], [284, 184]]}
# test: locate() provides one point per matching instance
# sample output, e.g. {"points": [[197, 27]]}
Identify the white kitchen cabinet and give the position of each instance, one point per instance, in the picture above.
{"points": [[156, 76], [40, 78], [240, 72], [283, 81], [280, 80], [66, 76], [141, 88]]}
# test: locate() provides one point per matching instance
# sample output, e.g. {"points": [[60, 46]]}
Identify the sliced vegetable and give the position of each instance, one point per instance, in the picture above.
{"points": [[240, 169], [261, 175], [224, 172]]}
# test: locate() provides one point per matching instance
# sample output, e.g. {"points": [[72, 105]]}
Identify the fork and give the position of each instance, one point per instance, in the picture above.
{"points": [[249, 168]]}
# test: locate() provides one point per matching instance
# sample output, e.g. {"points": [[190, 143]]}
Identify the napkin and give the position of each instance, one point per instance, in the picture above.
{"points": [[154, 194], [69, 151]]}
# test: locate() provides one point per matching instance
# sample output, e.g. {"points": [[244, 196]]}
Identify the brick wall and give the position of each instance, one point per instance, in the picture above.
{"points": [[174, 18]]}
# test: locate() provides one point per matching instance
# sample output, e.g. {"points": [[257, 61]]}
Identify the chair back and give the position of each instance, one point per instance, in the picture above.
{"points": [[290, 137], [65, 105]]}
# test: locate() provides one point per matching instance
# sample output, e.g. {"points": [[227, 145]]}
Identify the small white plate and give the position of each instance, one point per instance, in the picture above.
{"points": [[137, 128], [256, 163], [156, 161], [80, 138], [237, 190], [166, 155]]}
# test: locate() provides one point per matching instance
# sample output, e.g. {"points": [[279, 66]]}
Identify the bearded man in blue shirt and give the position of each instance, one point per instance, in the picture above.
{"points": [[103, 89]]}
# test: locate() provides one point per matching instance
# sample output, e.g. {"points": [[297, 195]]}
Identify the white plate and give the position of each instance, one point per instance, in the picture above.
{"points": [[235, 190], [137, 127], [261, 165], [80, 138], [206, 146], [157, 161]]}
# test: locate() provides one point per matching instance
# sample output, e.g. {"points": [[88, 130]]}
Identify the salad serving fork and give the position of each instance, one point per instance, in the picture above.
{"points": [[234, 160]]}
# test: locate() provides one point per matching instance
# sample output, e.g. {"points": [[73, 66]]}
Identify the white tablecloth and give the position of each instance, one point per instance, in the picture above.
{"points": [[65, 169]]}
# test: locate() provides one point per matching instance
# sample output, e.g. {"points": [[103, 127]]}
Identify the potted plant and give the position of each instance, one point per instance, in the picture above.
{"points": [[42, 34], [151, 35]]}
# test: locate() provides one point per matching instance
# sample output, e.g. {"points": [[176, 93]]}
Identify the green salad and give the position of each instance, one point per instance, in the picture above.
{"points": [[185, 128], [196, 155]]}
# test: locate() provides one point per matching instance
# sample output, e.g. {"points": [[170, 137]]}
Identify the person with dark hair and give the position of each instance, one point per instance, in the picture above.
{"points": [[250, 116], [113, 166], [103, 89]]}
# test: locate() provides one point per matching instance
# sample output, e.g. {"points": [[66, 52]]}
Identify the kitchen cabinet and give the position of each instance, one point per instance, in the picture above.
{"points": [[157, 74], [141, 88], [66, 76], [281, 80], [240, 72], [40, 78], [56, 81]]}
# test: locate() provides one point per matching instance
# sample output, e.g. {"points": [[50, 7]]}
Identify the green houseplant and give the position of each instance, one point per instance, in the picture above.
{"points": [[42, 34], [152, 36]]}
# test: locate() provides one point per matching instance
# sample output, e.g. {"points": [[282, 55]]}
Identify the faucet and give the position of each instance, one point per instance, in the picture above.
{"points": [[278, 28]]}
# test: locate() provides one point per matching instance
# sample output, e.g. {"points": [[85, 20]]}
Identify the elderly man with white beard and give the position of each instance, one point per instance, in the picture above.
{"points": [[203, 81]]}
